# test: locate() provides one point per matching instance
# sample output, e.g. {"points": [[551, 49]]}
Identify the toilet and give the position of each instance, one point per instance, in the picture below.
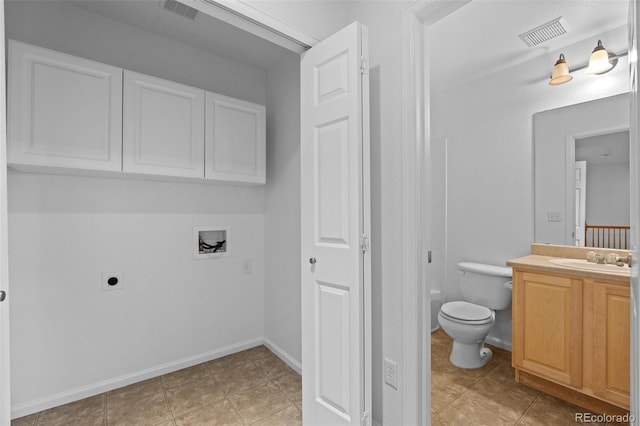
{"points": [[485, 289]]}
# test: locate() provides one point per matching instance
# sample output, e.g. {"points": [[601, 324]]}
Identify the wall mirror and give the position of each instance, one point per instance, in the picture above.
{"points": [[581, 174]]}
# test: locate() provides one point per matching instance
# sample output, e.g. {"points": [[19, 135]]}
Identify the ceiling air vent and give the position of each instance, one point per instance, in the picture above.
{"points": [[544, 32], [180, 9]]}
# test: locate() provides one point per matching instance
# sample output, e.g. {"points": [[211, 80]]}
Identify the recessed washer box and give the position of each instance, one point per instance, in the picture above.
{"points": [[210, 242]]}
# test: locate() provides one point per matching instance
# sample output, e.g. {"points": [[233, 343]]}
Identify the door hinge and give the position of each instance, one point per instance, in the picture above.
{"points": [[429, 256], [366, 418], [364, 65], [364, 243]]}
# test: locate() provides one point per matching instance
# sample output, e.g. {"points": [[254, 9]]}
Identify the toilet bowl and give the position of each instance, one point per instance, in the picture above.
{"points": [[468, 325], [468, 321]]}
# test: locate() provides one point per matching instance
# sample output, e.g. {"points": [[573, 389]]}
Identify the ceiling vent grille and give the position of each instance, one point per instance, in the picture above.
{"points": [[180, 9], [544, 32]]}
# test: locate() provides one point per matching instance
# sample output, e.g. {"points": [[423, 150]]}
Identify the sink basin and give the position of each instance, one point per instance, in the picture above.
{"points": [[590, 266]]}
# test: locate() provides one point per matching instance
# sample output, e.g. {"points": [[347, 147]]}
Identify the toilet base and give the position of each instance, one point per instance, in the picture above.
{"points": [[470, 355]]}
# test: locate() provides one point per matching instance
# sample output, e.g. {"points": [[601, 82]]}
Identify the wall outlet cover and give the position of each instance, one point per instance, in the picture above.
{"points": [[391, 373], [554, 217]]}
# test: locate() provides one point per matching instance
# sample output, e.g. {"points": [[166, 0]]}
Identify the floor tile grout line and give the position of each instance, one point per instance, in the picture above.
{"points": [[529, 408], [166, 399], [193, 409], [467, 389], [104, 408]]}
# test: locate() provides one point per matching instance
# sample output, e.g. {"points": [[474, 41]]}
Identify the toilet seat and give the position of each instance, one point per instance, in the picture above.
{"points": [[467, 313]]}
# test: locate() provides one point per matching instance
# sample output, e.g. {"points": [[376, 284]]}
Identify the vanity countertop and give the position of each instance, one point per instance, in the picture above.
{"points": [[541, 263]]}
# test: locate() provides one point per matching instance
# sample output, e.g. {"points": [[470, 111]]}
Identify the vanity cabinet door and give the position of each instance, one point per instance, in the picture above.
{"points": [[63, 111], [236, 140], [611, 307], [163, 127], [547, 320]]}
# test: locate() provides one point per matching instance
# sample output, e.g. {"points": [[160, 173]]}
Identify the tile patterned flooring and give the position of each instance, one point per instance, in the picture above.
{"points": [[253, 387], [489, 395]]}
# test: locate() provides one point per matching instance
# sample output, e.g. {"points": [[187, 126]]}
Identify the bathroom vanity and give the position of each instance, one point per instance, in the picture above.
{"points": [[571, 326]]}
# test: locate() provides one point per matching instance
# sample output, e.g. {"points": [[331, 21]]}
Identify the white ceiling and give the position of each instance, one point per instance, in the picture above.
{"points": [[482, 37], [610, 148], [206, 33], [476, 40]]}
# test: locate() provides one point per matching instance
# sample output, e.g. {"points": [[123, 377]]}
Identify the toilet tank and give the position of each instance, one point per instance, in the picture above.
{"points": [[485, 284]]}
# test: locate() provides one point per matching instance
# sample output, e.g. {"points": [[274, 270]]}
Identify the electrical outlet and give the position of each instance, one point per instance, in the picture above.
{"points": [[112, 281], [391, 373]]}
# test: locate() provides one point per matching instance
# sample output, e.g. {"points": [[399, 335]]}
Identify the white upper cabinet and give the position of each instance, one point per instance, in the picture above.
{"points": [[64, 111], [235, 140], [71, 115], [163, 127]]}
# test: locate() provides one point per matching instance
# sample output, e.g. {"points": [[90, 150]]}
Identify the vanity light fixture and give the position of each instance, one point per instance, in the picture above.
{"points": [[600, 62], [560, 73]]}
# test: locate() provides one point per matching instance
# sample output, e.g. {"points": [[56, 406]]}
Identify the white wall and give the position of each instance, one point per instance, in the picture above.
{"points": [[69, 338], [282, 320], [488, 125], [65, 232]]}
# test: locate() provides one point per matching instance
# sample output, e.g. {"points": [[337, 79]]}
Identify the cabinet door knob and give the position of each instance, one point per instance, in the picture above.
{"points": [[3, 295], [312, 260]]}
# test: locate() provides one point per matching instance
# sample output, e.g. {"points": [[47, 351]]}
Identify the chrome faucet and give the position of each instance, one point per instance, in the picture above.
{"points": [[622, 260], [610, 258], [618, 260]]}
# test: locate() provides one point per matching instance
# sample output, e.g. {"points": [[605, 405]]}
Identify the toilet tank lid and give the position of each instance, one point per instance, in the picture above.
{"points": [[483, 269]]}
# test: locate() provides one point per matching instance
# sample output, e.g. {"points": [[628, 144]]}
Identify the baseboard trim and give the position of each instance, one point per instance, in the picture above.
{"points": [[81, 392], [283, 355], [500, 343]]}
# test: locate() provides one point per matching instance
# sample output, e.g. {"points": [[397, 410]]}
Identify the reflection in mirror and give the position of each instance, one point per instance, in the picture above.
{"points": [[601, 195], [558, 135]]}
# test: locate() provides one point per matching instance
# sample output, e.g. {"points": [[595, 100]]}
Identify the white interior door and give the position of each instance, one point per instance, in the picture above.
{"points": [[580, 198], [336, 323], [5, 402]]}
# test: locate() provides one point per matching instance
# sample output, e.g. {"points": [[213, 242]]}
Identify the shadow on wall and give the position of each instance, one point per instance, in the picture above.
{"points": [[376, 240], [53, 193]]}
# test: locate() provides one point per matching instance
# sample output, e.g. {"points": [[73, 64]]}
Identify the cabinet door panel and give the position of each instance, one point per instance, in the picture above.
{"points": [[611, 304], [548, 327], [163, 127], [235, 134], [64, 111]]}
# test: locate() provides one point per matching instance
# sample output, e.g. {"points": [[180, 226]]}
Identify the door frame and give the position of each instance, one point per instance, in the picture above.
{"points": [[5, 380], [416, 143], [570, 155], [417, 16], [634, 172]]}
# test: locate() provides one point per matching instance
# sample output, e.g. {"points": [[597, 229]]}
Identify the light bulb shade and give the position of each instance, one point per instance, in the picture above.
{"points": [[560, 73], [599, 60]]}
